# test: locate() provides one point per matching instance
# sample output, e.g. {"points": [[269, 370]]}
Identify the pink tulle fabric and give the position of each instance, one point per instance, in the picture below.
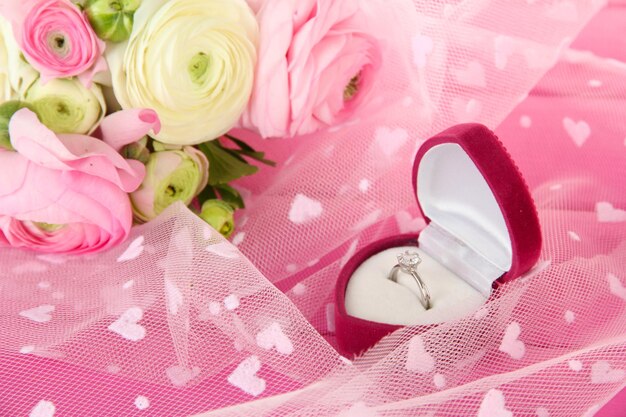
{"points": [[179, 322]]}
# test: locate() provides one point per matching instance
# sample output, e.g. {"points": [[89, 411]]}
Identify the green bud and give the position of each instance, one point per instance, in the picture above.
{"points": [[219, 215], [171, 176], [112, 20], [64, 105], [137, 150], [7, 110]]}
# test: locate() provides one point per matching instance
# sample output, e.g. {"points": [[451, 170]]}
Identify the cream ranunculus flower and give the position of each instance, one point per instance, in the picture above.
{"points": [[15, 73], [192, 61]]}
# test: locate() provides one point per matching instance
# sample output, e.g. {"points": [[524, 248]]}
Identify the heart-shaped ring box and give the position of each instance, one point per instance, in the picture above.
{"points": [[482, 230]]}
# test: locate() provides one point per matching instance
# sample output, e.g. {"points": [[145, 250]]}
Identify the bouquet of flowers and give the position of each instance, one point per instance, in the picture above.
{"points": [[112, 110]]}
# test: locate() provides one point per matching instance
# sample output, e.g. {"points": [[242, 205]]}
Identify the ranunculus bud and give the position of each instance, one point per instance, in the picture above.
{"points": [[137, 150], [219, 215], [7, 110], [178, 175], [112, 19], [66, 106]]}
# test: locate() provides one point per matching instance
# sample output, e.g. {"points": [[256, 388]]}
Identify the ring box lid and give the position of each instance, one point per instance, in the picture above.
{"points": [[482, 222]]}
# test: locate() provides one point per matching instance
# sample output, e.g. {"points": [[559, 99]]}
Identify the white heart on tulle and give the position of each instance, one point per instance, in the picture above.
{"points": [[542, 412], [43, 409], [504, 47], [606, 213], [472, 75], [224, 250], [133, 251], [304, 209], [231, 302], [142, 402], [494, 405], [180, 375], [422, 47], [466, 110], [418, 359], [573, 235], [511, 344], [616, 286], [274, 337], [174, 297], [575, 365], [570, 316], [525, 121], [439, 380], [409, 224], [390, 141], [127, 325], [603, 373], [578, 131], [39, 314], [244, 377]]}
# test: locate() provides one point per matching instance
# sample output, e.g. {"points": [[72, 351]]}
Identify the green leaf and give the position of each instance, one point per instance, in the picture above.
{"points": [[249, 151], [224, 167], [231, 196]]}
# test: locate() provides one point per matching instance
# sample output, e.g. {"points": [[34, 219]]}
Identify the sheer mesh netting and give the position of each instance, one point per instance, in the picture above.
{"points": [[178, 321]]}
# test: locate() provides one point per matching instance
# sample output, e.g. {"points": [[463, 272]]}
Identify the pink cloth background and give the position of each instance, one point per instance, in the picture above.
{"points": [[176, 321]]}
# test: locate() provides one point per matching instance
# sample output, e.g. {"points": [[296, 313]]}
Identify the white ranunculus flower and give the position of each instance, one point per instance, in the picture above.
{"points": [[65, 105], [192, 61]]}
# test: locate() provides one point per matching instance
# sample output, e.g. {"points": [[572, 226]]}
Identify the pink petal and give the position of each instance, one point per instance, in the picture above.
{"points": [[128, 126]]}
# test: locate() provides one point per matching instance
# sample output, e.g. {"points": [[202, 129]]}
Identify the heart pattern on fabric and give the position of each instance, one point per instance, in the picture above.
{"points": [[575, 365], [466, 110], [409, 224], [390, 141], [231, 302], [142, 402], [616, 286], [504, 47], [511, 345], [39, 314], [224, 250], [603, 373], [43, 409], [422, 47], [127, 325], [245, 377], [180, 375], [579, 131], [606, 213], [304, 209], [274, 337], [174, 297], [494, 405], [418, 359], [472, 75], [542, 412], [133, 250]]}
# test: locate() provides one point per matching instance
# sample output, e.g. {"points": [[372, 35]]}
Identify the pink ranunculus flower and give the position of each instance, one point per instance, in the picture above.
{"points": [[318, 61], [56, 38], [67, 193]]}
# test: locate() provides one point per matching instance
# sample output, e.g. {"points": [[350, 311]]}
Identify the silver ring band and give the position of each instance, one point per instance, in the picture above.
{"points": [[411, 269]]}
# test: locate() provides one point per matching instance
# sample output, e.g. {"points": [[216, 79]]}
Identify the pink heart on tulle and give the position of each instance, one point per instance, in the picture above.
{"points": [[606, 213], [244, 377], [504, 47], [466, 110], [493, 405], [133, 251], [418, 359], [511, 345], [472, 75], [603, 373], [274, 337], [579, 131], [409, 224], [40, 314], [43, 409]]}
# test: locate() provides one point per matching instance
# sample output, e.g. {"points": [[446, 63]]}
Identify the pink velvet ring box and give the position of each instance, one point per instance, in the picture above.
{"points": [[482, 230]]}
